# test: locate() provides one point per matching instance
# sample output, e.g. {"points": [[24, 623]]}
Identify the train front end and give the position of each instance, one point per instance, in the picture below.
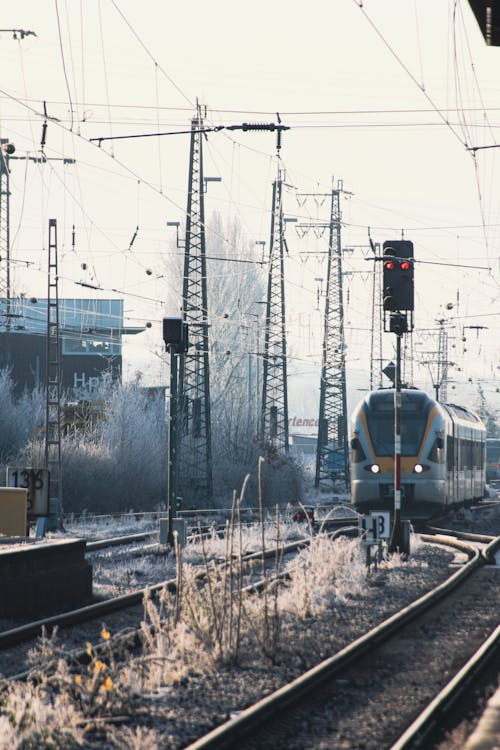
{"points": [[423, 467]]}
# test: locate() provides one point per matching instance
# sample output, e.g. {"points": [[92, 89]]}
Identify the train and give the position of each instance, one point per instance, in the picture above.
{"points": [[443, 455], [493, 460]]}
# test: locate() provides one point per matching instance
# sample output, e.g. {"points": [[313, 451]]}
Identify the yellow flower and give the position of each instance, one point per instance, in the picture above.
{"points": [[106, 685], [99, 666], [105, 634], [78, 679], [89, 648]]}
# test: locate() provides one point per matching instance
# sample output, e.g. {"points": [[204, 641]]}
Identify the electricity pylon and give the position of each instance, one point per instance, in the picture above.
{"points": [[194, 434], [332, 460], [274, 410]]}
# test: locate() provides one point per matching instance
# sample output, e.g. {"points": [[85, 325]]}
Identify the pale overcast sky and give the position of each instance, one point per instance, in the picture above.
{"points": [[385, 95]]}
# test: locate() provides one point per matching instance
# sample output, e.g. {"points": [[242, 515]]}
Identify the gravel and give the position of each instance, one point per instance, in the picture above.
{"points": [[199, 695]]}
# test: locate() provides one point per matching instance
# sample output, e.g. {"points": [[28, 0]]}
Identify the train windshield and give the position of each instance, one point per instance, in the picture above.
{"points": [[380, 420]]}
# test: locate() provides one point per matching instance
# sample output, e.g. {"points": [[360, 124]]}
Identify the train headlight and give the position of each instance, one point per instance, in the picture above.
{"points": [[375, 469], [418, 468]]}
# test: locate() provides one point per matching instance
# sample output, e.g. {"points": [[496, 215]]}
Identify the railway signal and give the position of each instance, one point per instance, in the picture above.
{"points": [[398, 300], [175, 337], [398, 282]]}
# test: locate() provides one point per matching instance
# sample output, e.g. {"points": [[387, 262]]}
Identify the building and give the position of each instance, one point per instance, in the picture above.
{"points": [[90, 333]]}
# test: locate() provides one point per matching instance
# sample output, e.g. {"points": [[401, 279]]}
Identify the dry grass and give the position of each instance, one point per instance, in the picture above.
{"points": [[208, 625]]}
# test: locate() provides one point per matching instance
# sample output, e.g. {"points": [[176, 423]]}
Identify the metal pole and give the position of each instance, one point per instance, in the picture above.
{"points": [[172, 445], [397, 542]]}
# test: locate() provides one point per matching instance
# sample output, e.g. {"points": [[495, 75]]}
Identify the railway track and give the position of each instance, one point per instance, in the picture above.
{"points": [[97, 611], [439, 717], [366, 695]]}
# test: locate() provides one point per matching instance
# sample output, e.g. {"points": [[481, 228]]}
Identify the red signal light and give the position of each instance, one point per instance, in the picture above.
{"points": [[405, 265], [390, 265]]}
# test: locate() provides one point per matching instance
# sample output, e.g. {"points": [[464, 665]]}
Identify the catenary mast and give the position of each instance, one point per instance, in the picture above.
{"points": [[194, 434], [274, 408], [331, 451]]}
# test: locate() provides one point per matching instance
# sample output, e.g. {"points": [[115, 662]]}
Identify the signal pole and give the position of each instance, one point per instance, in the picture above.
{"points": [[332, 421], [398, 300], [175, 336]]}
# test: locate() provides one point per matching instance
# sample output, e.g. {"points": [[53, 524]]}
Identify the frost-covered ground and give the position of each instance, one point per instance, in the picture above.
{"points": [[119, 570], [212, 651]]}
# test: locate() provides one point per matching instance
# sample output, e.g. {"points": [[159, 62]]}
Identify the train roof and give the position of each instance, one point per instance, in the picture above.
{"points": [[417, 400], [411, 397], [461, 412]]}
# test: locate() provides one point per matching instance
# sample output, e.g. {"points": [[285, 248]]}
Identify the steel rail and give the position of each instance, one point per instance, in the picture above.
{"points": [[33, 629], [233, 731], [482, 538], [117, 541], [430, 718], [135, 637]]}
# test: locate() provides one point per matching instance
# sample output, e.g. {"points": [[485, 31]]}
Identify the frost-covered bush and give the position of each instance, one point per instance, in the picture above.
{"points": [[20, 417], [33, 719], [121, 464], [119, 461], [324, 573]]}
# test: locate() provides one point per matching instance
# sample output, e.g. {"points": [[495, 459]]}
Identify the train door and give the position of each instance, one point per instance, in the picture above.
{"points": [[450, 468], [458, 495], [469, 470]]}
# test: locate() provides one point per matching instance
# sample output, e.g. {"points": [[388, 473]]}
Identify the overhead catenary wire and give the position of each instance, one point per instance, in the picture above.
{"points": [[118, 248]]}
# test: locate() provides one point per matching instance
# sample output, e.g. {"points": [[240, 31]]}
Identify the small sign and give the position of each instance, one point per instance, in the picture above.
{"points": [[381, 523], [36, 482]]}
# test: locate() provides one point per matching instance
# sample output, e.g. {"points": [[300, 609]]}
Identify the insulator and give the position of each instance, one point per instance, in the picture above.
{"points": [[259, 126]]}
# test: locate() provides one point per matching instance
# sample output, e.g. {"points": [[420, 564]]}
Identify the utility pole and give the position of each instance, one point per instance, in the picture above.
{"points": [[331, 450], [53, 387], [6, 150], [194, 425], [274, 408]]}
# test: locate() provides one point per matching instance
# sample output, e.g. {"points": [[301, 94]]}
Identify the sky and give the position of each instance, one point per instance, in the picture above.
{"points": [[388, 97]]}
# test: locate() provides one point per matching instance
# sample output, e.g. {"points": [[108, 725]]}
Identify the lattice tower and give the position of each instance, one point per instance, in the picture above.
{"points": [[274, 414], [332, 459], [442, 364], [53, 392], [194, 434]]}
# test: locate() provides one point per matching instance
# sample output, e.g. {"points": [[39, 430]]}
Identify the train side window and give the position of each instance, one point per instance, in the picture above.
{"points": [[449, 452], [357, 452]]}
